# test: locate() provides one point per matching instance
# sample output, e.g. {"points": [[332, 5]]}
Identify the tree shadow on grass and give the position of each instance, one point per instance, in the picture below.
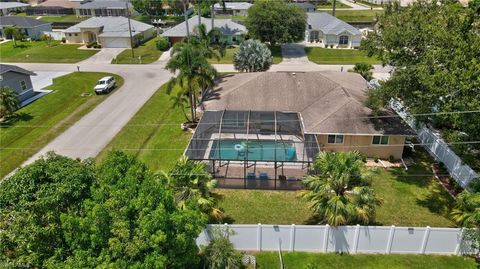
{"points": [[226, 218], [17, 117], [437, 201]]}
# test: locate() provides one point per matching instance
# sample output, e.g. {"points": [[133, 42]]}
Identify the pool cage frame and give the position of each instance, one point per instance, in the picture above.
{"points": [[281, 128]]}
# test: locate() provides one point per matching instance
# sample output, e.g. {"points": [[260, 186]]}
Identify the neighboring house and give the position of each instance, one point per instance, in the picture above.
{"points": [[11, 7], [233, 33], [100, 8], [30, 27], [326, 30], [17, 79], [54, 8], [110, 32], [232, 8], [305, 6]]}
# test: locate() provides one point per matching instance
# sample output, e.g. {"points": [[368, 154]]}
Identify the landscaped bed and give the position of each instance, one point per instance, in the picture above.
{"points": [[338, 56], [301, 260], [148, 52], [41, 52], [38, 123]]}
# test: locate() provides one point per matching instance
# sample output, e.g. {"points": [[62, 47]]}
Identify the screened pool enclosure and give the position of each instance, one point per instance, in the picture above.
{"points": [[254, 149]]}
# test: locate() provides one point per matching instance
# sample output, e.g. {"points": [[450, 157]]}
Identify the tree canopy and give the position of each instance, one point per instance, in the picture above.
{"points": [[434, 48], [276, 21], [252, 56]]}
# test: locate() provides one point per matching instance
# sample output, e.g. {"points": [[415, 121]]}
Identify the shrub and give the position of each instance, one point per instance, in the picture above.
{"points": [[365, 70], [252, 56], [162, 44], [474, 185], [391, 158], [91, 44], [64, 40], [376, 159]]}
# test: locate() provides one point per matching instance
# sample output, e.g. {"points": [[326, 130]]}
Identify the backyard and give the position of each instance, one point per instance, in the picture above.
{"points": [[228, 58], [329, 5], [65, 18], [36, 124], [148, 52], [41, 52], [338, 56], [301, 260], [357, 15]]}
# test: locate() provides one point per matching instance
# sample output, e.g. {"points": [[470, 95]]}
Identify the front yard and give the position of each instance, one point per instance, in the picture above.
{"points": [[357, 15], [338, 56], [228, 58], [41, 121], [147, 51], [303, 260], [41, 52], [328, 5]]}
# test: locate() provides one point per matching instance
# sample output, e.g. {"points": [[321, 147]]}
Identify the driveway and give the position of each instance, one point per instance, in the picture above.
{"points": [[88, 136], [45, 78], [294, 54], [104, 56]]}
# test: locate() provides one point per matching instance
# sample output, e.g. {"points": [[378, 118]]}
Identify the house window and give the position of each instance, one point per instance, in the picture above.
{"points": [[76, 34], [335, 139], [343, 40], [380, 140], [23, 84]]}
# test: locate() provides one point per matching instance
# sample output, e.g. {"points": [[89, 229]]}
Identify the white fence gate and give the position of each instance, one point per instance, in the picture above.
{"points": [[349, 239], [440, 150]]}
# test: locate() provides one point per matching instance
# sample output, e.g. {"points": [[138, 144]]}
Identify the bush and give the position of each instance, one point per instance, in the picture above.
{"points": [[162, 44], [252, 56], [474, 185], [91, 44], [391, 158], [64, 40]]}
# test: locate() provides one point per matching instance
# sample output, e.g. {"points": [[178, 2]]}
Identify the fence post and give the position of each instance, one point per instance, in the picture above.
{"points": [[355, 239], [325, 239], [292, 238], [425, 240], [259, 237], [390, 239], [460, 241]]}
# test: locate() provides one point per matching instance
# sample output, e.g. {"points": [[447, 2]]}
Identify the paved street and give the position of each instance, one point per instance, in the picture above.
{"points": [[94, 131]]}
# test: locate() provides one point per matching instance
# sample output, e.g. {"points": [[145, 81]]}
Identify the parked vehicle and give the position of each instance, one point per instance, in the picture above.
{"points": [[105, 85]]}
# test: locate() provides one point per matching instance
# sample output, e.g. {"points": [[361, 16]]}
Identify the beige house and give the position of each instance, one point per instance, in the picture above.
{"points": [[109, 32], [330, 107]]}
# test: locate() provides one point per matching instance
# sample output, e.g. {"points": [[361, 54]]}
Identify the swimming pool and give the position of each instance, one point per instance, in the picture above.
{"points": [[258, 150]]}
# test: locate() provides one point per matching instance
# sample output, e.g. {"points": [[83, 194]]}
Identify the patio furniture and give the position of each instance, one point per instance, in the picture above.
{"points": [[251, 176], [263, 176], [282, 177], [291, 153]]}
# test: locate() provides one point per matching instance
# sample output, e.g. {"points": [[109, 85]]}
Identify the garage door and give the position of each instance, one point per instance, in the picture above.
{"points": [[115, 42]]}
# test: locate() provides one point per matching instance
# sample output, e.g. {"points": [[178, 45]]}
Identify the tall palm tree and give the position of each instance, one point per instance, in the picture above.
{"points": [[192, 183], [185, 4], [340, 193], [8, 101], [467, 209], [190, 62], [178, 101]]}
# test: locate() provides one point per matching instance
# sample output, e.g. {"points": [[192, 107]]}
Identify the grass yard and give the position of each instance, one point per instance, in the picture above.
{"points": [[40, 52], [65, 18], [40, 122], [329, 5], [228, 58], [338, 56], [147, 50], [302, 260], [408, 200], [146, 131], [268, 207], [357, 15], [234, 18]]}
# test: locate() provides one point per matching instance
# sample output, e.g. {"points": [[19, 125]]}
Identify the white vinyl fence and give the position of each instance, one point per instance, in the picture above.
{"points": [[440, 150], [348, 239]]}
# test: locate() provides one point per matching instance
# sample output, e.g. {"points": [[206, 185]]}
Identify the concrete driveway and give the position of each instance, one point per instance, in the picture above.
{"points": [[104, 56], [45, 78], [88, 136], [294, 54]]}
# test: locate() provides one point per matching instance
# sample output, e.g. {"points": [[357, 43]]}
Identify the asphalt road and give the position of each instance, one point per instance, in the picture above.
{"points": [[87, 137]]}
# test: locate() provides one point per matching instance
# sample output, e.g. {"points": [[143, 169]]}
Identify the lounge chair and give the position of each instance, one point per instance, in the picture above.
{"points": [[291, 154], [263, 176], [251, 176]]}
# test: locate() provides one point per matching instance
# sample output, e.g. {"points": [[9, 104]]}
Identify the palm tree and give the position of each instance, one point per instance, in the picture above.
{"points": [[220, 252], [252, 56], [14, 32], [467, 209], [364, 69], [189, 61], [192, 183], [8, 101], [179, 101], [185, 4], [340, 193]]}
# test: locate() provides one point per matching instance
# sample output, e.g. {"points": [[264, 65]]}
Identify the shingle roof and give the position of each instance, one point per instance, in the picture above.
{"points": [[21, 21], [329, 102], [112, 26], [4, 68], [12, 5], [233, 5], [227, 26], [328, 24], [104, 4]]}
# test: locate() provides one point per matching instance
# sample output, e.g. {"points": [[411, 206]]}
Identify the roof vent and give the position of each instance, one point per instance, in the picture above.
{"points": [[293, 73]]}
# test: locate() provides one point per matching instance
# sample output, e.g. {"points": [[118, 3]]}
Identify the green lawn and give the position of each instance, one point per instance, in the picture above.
{"points": [[338, 56], [357, 15], [228, 58], [41, 121], [147, 50], [154, 133], [40, 52], [367, 3], [329, 5], [66, 18], [408, 200], [235, 18], [302, 260]]}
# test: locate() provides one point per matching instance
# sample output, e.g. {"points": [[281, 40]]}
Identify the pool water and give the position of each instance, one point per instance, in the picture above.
{"points": [[258, 150]]}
